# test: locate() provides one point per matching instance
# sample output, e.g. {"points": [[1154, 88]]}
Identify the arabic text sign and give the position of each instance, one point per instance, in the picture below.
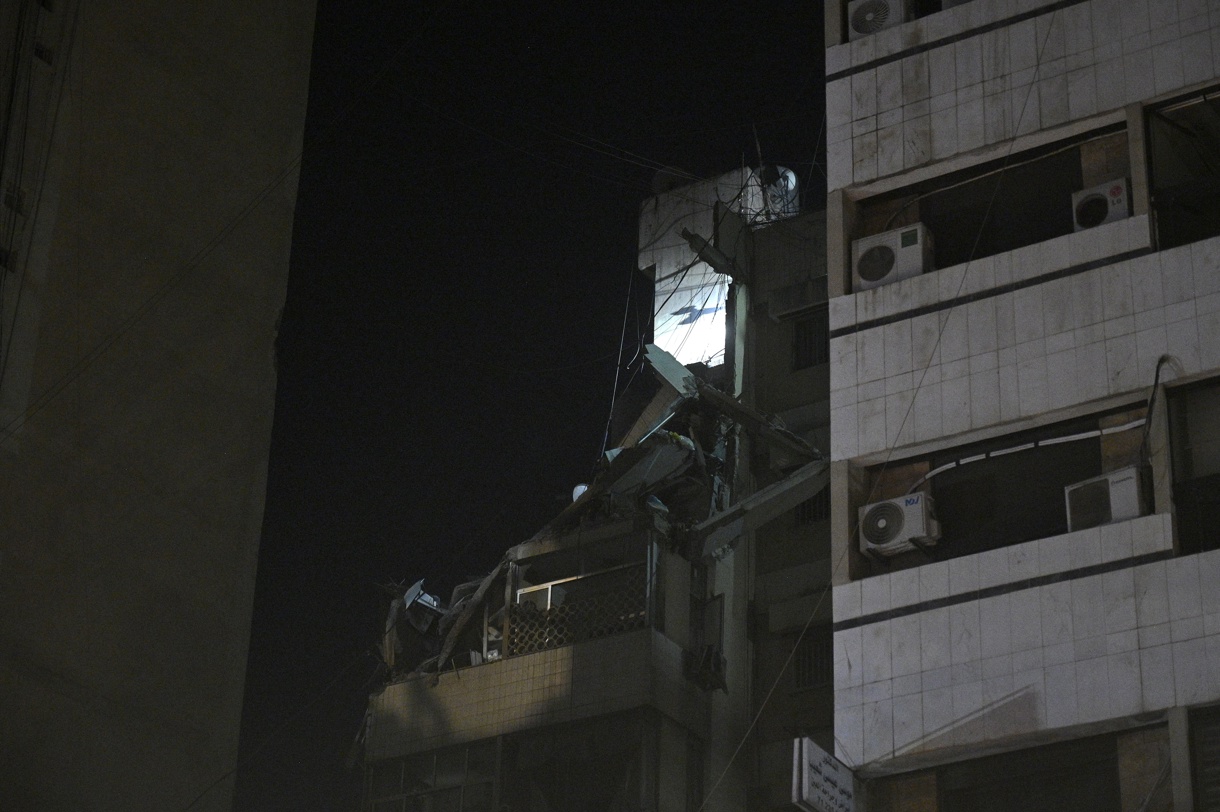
{"points": [[820, 782]]}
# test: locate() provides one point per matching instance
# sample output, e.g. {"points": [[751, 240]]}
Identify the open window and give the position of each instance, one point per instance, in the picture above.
{"points": [[1014, 488], [579, 594], [1205, 757], [998, 206], [1082, 774], [813, 659], [1194, 426], [1184, 168], [811, 339]]}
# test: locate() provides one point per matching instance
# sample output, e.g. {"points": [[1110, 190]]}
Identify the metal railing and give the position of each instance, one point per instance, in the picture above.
{"points": [[571, 610]]}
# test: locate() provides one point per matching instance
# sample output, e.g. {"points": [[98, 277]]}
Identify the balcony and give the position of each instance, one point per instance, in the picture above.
{"points": [[560, 684], [573, 610], [1017, 351], [1081, 629]]}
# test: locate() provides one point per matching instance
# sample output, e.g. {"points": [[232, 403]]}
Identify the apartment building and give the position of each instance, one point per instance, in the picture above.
{"points": [[1023, 270], [619, 658], [148, 155]]}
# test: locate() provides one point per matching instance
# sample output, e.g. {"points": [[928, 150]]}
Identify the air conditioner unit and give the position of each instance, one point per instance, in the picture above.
{"points": [[1101, 204], [898, 525], [888, 257], [866, 17], [1103, 499]]}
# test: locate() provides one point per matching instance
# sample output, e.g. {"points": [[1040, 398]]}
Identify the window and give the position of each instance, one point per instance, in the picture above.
{"points": [[1004, 204], [1184, 169], [813, 660], [1082, 774], [811, 340], [605, 764], [1205, 758], [458, 779], [921, 8], [1194, 426], [1011, 489]]}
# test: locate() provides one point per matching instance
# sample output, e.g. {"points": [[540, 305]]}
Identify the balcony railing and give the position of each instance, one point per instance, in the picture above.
{"points": [[572, 610]]}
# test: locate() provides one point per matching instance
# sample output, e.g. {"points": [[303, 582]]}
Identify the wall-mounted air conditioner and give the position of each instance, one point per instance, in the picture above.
{"points": [[1101, 204], [1103, 499], [898, 525], [866, 17], [888, 257]]}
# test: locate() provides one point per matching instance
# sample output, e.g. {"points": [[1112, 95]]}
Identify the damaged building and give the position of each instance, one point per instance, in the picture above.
{"points": [[622, 658]]}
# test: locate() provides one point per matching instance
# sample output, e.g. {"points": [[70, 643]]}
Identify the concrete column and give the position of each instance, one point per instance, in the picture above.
{"points": [[1179, 754]]}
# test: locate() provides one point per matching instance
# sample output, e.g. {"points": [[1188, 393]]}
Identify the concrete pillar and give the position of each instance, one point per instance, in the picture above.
{"points": [[1179, 754]]}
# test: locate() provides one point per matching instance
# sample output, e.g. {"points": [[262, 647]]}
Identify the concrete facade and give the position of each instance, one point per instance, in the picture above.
{"points": [[1092, 646], [149, 176]]}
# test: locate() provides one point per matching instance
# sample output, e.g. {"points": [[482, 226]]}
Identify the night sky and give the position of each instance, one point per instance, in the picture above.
{"points": [[464, 246]]}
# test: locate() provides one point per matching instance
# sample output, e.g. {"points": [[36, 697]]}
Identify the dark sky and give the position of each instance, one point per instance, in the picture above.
{"points": [[464, 244]]}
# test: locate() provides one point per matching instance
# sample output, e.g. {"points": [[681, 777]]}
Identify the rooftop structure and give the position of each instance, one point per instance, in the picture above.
{"points": [[619, 658]]}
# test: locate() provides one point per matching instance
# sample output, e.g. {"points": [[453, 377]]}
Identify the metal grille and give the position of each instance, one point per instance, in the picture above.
{"points": [[813, 661], [579, 609], [814, 509], [811, 340]]}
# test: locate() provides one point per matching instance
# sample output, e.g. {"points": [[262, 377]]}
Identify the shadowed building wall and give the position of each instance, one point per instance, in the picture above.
{"points": [[149, 181]]}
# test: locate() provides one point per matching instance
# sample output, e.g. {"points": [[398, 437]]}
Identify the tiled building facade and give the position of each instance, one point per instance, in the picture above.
{"points": [[1026, 639]]}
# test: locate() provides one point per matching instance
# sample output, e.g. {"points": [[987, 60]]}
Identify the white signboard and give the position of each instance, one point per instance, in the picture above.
{"points": [[820, 782], [689, 314]]}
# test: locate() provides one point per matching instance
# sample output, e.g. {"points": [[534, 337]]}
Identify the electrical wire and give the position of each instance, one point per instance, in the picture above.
{"points": [[618, 366], [838, 565], [610, 150], [283, 725], [1038, 156]]}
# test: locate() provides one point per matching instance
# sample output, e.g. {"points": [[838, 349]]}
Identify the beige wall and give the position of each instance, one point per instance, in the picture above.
{"points": [[565, 684], [134, 473]]}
